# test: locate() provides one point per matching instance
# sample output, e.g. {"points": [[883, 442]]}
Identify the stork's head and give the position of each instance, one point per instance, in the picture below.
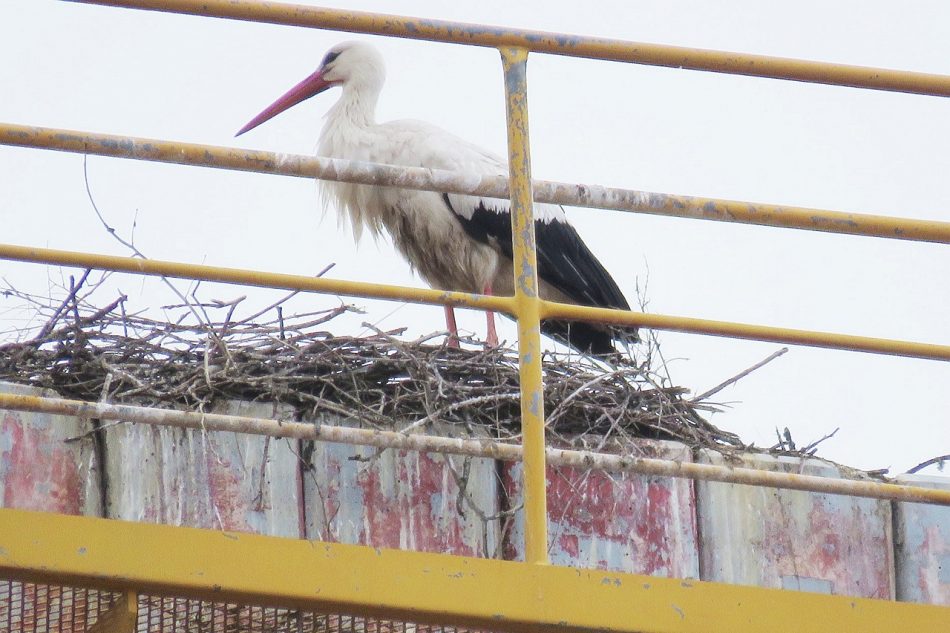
{"points": [[356, 66]]}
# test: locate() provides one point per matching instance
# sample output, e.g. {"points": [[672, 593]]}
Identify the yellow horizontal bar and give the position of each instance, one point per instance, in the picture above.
{"points": [[549, 309], [585, 460], [595, 196], [553, 43], [892, 347], [420, 587], [155, 267]]}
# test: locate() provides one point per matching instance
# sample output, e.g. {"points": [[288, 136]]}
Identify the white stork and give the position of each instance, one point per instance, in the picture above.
{"points": [[455, 242]]}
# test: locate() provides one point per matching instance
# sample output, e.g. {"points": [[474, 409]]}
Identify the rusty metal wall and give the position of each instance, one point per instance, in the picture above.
{"points": [[620, 522], [922, 546], [402, 499], [791, 539], [209, 479], [39, 468]]}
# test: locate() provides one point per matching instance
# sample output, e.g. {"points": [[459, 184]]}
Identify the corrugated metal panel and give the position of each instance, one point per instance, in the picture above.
{"points": [[923, 546], [402, 499], [620, 522], [38, 469], [211, 479], [791, 539]]}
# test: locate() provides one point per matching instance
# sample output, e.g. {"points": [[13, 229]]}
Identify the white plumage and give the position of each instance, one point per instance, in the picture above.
{"points": [[454, 242]]}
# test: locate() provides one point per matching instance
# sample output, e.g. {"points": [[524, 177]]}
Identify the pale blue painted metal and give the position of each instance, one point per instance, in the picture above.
{"points": [[621, 522], [402, 499], [792, 539], [922, 536], [39, 470], [210, 479]]}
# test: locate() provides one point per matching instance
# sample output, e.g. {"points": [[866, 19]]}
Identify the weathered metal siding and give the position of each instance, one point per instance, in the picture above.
{"points": [[791, 539], [922, 535], [410, 500], [39, 470], [402, 499], [620, 522], [212, 479]]}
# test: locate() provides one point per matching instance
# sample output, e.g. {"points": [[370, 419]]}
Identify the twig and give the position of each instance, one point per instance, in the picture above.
{"points": [[62, 307], [285, 298], [939, 460], [739, 376], [810, 449], [130, 245], [584, 387], [58, 333], [470, 402], [93, 432]]}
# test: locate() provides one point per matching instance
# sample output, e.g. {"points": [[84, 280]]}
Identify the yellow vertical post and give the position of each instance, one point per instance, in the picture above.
{"points": [[527, 304]]}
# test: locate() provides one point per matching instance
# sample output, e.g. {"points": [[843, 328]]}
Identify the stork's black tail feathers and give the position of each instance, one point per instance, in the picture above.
{"points": [[565, 263], [590, 338]]}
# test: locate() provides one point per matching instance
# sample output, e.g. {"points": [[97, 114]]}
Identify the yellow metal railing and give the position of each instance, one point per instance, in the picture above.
{"points": [[552, 43], [480, 594], [573, 194], [525, 305], [401, 440], [507, 305]]}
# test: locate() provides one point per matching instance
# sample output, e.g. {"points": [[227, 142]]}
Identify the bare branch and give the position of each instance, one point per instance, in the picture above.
{"points": [[739, 376], [939, 460]]}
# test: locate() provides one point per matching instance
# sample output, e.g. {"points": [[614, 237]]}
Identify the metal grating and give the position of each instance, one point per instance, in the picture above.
{"points": [[37, 608], [28, 607]]}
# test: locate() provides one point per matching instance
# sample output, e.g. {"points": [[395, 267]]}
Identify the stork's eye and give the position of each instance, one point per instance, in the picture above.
{"points": [[329, 58]]}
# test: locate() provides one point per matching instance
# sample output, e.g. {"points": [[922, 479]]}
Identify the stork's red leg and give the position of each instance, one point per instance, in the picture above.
{"points": [[452, 326], [492, 336]]}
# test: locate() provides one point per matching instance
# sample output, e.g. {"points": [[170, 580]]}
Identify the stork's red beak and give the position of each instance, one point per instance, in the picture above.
{"points": [[312, 85]]}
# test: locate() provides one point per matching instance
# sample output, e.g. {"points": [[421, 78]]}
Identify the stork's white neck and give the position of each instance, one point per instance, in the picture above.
{"points": [[356, 107]]}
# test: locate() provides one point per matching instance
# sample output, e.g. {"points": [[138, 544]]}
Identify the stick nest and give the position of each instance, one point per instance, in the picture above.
{"points": [[200, 355]]}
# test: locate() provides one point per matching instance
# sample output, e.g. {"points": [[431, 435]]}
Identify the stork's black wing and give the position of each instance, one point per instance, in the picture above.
{"points": [[565, 262]]}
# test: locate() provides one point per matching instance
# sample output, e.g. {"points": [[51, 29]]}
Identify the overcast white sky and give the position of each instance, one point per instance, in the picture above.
{"points": [[199, 80]]}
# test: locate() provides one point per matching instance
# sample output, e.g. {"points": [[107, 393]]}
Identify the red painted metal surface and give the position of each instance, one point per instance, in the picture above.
{"points": [[923, 546], [632, 523], [39, 470], [402, 499], [423, 501], [791, 539], [211, 479]]}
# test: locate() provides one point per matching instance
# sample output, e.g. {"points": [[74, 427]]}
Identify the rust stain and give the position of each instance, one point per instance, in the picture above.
{"points": [[798, 540], [400, 499], [625, 523], [39, 472]]}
